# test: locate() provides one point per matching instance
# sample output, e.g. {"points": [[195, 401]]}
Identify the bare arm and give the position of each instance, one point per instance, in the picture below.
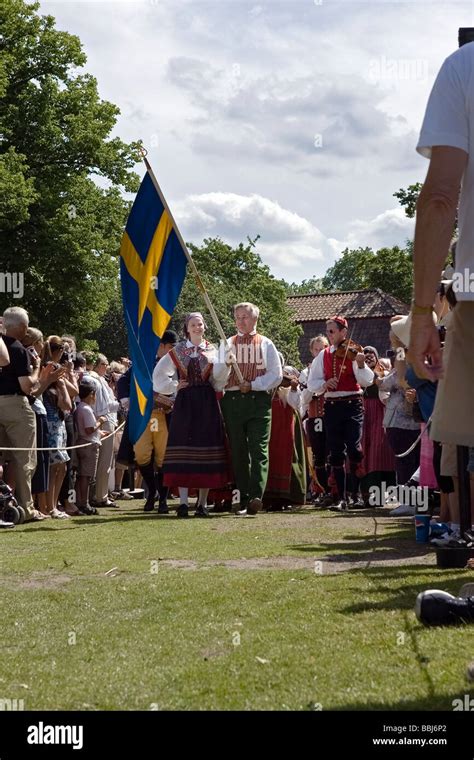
{"points": [[64, 402], [4, 356], [435, 217], [29, 383]]}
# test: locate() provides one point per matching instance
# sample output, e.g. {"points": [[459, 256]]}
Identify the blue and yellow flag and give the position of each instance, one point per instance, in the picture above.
{"points": [[152, 269]]}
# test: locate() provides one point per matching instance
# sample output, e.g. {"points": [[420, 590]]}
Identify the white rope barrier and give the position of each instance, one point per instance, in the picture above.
{"points": [[64, 448]]}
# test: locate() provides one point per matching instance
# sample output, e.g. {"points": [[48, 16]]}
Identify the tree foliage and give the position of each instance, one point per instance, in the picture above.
{"points": [[389, 269], [57, 225], [313, 285], [408, 198], [232, 275]]}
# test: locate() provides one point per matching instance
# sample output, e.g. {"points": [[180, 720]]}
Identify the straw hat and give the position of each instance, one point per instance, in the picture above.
{"points": [[401, 326]]}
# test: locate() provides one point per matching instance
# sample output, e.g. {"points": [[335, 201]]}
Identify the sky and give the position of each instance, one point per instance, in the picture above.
{"points": [[294, 120]]}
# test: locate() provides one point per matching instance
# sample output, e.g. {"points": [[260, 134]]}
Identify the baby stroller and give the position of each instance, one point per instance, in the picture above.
{"points": [[10, 510]]}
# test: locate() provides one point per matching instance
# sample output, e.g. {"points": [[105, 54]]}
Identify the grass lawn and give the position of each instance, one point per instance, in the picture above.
{"points": [[287, 611]]}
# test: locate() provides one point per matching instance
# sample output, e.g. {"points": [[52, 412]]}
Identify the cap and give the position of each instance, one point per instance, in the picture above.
{"points": [[341, 321]]}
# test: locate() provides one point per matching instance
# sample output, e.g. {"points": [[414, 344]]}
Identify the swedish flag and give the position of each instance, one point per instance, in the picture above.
{"points": [[152, 268]]}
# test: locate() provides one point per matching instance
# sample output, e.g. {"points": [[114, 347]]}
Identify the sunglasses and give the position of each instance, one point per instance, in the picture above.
{"points": [[369, 352]]}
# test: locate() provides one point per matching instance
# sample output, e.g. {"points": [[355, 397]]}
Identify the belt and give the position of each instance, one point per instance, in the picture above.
{"points": [[343, 398]]}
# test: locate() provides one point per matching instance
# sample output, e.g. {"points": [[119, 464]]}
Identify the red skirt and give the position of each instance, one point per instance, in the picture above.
{"points": [[378, 456]]}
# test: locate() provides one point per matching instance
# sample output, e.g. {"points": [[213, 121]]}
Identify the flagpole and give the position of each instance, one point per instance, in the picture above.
{"points": [[195, 272]]}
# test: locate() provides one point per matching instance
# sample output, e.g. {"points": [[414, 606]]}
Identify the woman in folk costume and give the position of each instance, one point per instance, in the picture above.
{"points": [[286, 482], [379, 461], [195, 455]]}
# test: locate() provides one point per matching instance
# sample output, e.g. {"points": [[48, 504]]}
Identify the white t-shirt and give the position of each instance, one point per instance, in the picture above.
{"points": [[449, 120], [85, 418]]}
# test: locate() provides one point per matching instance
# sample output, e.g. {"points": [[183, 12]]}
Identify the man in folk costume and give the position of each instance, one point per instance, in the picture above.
{"points": [[342, 379], [246, 406]]}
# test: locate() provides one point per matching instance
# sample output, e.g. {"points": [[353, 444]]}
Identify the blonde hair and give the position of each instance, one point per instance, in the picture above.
{"points": [[319, 339], [33, 335]]}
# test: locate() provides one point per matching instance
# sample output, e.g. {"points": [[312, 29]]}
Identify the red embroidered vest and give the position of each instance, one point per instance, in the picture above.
{"points": [[332, 368], [248, 350]]}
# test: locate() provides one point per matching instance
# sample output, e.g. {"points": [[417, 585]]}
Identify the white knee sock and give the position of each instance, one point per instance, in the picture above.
{"points": [[183, 495], [203, 496]]}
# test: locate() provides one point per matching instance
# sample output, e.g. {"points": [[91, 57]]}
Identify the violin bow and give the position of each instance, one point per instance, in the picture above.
{"points": [[345, 355]]}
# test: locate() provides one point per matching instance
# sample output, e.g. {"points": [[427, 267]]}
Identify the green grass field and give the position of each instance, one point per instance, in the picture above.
{"points": [[287, 611]]}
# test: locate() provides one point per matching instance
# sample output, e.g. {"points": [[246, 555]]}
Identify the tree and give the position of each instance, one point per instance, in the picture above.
{"points": [[409, 197], [389, 269], [350, 271], [232, 275], [111, 337], [57, 226], [313, 285]]}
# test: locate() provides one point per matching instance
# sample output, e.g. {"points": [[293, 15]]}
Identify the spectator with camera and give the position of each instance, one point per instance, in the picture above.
{"points": [[17, 420], [34, 344]]}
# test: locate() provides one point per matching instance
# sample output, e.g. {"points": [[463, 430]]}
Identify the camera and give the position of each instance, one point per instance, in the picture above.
{"points": [[66, 356]]}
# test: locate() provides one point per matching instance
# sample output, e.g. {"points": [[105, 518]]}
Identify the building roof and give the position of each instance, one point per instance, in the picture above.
{"points": [[352, 304]]}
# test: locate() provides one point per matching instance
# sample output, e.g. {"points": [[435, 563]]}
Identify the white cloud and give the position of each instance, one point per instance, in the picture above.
{"points": [[292, 246], [388, 229], [228, 96]]}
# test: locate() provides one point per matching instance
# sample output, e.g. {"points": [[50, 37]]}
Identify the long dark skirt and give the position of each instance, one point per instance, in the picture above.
{"points": [[195, 455]]}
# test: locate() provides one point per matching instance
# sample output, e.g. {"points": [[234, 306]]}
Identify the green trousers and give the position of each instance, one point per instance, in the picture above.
{"points": [[247, 418]]}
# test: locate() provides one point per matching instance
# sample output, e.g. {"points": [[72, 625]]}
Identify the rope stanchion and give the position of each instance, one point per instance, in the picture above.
{"points": [[63, 448]]}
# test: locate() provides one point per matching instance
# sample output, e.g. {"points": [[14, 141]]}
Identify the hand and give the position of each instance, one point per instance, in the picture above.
{"points": [[424, 342], [410, 395], [101, 420], [245, 387], [360, 359], [294, 384], [230, 358], [182, 384], [331, 384]]}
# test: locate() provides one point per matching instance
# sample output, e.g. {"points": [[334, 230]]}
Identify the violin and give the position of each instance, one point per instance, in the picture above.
{"points": [[348, 348]]}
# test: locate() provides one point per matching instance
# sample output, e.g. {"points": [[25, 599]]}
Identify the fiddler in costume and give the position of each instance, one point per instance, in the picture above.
{"points": [[196, 454], [340, 372]]}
